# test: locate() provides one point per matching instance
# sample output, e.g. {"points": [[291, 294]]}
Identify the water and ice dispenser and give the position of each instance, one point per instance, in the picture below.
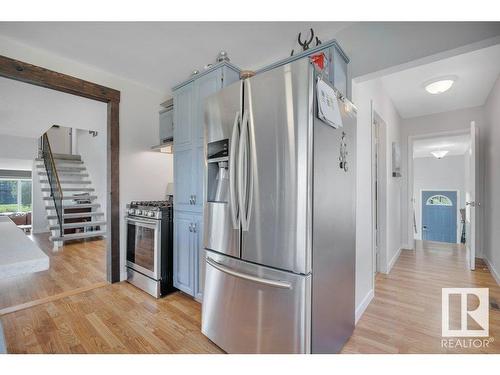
{"points": [[218, 173]]}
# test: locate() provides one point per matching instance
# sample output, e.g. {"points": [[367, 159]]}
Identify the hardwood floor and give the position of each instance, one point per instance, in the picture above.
{"points": [[74, 266], [117, 318], [405, 315]]}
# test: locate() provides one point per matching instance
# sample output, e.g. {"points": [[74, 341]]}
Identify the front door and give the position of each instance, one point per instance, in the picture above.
{"points": [[439, 216]]}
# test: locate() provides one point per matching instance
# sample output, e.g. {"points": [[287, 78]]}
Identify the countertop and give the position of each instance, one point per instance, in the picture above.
{"points": [[18, 254]]}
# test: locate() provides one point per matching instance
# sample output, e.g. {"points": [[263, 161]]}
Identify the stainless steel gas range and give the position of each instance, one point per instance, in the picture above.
{"points": [[150, 246]]}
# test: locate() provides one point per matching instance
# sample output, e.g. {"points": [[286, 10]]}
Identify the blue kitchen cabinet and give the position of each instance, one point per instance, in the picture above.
{"points": [[189, 172], [183, 252], [199, 255], [183, 116], [166, 125], [189, 267], [183, 161]]}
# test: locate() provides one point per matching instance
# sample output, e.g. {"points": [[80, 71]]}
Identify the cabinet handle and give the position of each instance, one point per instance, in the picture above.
{"points": [[195, 229], [191, 227], [194, 199]]}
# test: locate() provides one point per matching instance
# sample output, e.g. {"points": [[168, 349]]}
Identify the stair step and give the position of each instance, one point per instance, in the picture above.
{"points": [[68, 206], [79, 225], [61, 161], [79, 197], [64, 173], [63, 182], [64, 169], [71, 189], [75, 215], [77, 236], [66, 156]]}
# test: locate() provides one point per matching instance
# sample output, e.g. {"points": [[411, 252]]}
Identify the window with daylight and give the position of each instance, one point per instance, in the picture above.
{"points": [[15, 195], [439, 200]]}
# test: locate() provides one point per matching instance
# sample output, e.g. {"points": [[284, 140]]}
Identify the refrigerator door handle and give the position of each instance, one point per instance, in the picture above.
{"points": [[243, 172], [255, 279], [235, 212], [250, 153]]}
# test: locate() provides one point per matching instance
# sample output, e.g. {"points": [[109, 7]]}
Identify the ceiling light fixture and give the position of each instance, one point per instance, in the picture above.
{"points": [[439, 85], [439, 154]]}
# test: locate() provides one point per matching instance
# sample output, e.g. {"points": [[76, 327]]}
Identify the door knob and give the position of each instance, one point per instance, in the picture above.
{"points": [[472, 204]]}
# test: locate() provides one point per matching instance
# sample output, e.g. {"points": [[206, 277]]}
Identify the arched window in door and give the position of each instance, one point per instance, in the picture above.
{"points": [[439, 200]]}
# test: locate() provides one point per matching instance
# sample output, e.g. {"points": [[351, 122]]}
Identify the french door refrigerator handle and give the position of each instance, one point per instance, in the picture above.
{"points": [[243, 186], [250, 153], [232, 162], [255, 279]]}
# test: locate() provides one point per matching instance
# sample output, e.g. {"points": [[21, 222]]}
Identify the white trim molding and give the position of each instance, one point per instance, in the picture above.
{"points": [[393, 260], [363, 305], [493, 271]]}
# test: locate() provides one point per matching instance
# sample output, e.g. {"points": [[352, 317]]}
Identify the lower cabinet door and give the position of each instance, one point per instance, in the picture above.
{"points": [[254, 309], [199, 259], [183, 253]]}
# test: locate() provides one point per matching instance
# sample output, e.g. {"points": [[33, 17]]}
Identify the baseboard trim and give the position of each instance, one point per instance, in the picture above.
{"points": [[393, 261], [363, 306], [493, 271]]}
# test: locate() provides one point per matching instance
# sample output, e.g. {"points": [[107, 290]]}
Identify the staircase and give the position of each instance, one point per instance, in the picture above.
{"points": [[75, 202]]}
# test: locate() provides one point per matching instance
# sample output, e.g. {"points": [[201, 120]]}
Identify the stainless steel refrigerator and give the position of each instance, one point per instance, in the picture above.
{"points": [[279, 226]]}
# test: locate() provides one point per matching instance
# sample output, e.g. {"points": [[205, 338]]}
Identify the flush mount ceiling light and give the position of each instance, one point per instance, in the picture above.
{"points": [[439, 154], [439, 85]]}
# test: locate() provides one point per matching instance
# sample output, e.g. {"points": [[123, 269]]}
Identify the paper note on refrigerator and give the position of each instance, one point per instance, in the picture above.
{"points": [[328, 105]]}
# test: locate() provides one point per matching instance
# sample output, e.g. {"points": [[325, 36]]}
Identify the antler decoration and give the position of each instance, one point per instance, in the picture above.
{"points": [[305, 45]]}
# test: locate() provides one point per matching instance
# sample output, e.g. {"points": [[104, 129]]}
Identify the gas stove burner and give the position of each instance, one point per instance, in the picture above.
{"points": [[149, 209]]}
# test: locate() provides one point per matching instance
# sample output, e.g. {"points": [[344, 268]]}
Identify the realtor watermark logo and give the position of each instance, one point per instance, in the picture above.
{"points": [[460, 320]]}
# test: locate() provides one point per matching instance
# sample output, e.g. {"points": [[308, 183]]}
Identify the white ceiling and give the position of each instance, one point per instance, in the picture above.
{"points": [[455, 145], [163, 54], [29, 111], [477, 72]]}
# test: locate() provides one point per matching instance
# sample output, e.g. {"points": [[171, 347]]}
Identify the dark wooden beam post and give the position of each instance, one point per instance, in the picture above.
{"points": [[28, 73], [113, 206]]}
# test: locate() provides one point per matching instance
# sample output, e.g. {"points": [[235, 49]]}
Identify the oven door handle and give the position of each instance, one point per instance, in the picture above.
{"points": [[152, 223]]}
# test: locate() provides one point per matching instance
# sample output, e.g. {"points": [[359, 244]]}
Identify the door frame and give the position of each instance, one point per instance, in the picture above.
{"points": [[410, 179], [36, 75], [457, 234], [378, 225]]}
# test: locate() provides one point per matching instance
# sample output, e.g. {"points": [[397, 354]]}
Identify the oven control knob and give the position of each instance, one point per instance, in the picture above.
{"points": [[131, 211], [138, 212], [151, 214]]}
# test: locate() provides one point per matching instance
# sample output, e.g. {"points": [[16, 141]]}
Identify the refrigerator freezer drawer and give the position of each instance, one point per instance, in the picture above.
{"points": [[253, 309]]}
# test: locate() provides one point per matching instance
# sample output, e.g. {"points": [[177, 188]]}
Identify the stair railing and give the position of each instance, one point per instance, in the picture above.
{"points": [[53, 178]]}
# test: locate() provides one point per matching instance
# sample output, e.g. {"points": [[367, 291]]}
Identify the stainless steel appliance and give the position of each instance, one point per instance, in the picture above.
{"points": [[149, 246], [280, 240]]}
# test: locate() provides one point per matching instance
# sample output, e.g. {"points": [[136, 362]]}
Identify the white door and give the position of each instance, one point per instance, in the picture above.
{"points": [[470, 199]]}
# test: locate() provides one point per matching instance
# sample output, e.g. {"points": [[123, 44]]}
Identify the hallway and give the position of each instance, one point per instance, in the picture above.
{"points": [[405, 314]]}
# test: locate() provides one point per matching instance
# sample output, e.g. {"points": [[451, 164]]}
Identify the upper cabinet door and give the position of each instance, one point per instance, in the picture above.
{"points": [[183, 115], [183, 171], [204, 86], [166, 125]]}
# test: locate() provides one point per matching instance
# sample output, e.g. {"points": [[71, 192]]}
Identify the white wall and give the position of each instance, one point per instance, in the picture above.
{"points": [[20, 148], [363, 94], [492, 181], [143, 174], [59, 139], [438, 174], [453, 121], [29, 110]]}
